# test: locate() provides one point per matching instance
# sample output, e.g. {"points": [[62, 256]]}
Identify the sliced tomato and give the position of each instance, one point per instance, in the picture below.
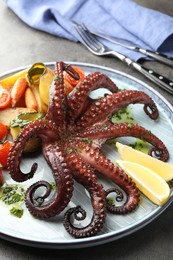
{"points": [[73, 81], [1, 176], [3, 132], [5, 98], [4, 151]]}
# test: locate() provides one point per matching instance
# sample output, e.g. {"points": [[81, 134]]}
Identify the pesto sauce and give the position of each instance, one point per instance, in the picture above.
{"points": [[17, 212], [25, 118], [110, 201], [13, 197], [53, 186], [140, 145], [123, 115]]}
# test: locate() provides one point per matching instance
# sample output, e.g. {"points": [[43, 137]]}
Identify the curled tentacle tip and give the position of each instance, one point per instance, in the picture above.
{"points": [[151, 111], [33, 170], [34, 167], [160, 154], [79, 213], [118, 194]]}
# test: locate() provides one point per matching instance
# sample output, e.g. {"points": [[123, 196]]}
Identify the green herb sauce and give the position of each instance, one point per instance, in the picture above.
{"points": [[13, 196], [53, 185], [17, 212], [140, 145], [25, 118], [110, 201], [123, 115]]}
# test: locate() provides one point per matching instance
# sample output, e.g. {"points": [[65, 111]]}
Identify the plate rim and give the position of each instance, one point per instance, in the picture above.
{"points": [[103, 238]]}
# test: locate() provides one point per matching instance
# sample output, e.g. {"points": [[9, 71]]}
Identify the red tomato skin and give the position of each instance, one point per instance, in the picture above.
{"points": [[5, 98], [1, 177], [3, 132], [4, 151], [73, 81]]}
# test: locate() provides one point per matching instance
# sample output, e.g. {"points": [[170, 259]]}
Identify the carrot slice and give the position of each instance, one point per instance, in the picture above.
{"points": [[30, 100], [18, 90]]}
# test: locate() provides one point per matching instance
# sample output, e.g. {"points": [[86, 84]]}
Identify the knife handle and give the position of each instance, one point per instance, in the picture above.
{"points": [[157, 56], [160, 80]]}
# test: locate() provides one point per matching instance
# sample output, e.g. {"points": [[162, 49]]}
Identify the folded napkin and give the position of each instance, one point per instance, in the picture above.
{"points": [[123, 18]]}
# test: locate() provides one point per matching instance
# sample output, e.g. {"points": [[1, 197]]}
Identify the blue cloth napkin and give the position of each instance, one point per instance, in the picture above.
{"points": [[123, 18]]}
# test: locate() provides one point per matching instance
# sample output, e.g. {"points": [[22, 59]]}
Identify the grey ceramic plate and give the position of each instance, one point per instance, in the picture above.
{"points": [[51, 233]]}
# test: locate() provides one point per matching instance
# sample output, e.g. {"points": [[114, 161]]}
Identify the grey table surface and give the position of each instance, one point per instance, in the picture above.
{"points": [[21, 45]]}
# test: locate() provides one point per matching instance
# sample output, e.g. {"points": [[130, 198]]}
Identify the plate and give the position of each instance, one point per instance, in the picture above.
{"points": [[51, 233]]}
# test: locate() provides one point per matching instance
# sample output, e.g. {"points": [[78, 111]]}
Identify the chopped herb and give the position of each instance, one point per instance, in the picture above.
{"points": [[87, 140], [11, 194], [140, 145], [16, 212], [121, 89], [130, 125], [53, 185], [111, 142], [110, 201], [56, 78], [76, 150], [123, 115], [72, 150], [69, 150], [77, 88]]}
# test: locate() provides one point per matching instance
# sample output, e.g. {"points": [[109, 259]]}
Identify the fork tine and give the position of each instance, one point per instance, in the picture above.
{"points": [[91, 36], [83, 38], [87, 39]]}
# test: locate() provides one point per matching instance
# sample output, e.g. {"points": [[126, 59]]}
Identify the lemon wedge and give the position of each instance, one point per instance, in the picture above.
{"points": [[10, 80], [163, 169], [148, 182]]}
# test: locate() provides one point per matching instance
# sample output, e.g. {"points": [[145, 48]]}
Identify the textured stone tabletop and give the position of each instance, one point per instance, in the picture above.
{"points": [[21, 45]]}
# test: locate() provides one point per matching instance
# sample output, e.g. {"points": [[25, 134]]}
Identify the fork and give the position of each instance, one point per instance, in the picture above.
{"points": [[97, 48], [131, 46]]}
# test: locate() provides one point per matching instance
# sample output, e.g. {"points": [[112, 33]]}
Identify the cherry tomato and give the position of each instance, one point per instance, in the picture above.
{"points": [[3, 132], [73, 81], [4, 151], [68, 87], [5, 98], [1, 176]]}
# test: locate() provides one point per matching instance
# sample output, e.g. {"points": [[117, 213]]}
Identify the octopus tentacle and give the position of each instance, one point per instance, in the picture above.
{"points": [[112, 103], [63, 191], [77, 99], [57, 107], [87, 178], [109, 131], [100, 163], [46, 130]]}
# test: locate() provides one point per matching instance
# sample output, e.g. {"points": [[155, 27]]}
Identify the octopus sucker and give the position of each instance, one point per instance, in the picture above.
{"points": [[72, 133]]}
